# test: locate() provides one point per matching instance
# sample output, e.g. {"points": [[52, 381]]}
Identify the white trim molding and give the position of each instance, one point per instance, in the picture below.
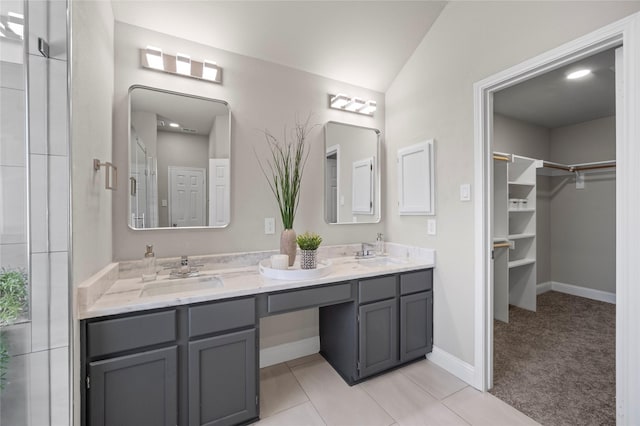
{"points": [[288, 351], [443, 359], [576, 290], [625, 33]]}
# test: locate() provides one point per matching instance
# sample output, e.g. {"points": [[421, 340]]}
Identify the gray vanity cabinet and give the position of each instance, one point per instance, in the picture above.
{"points": [[135, 390], [222, 379], [190, 365], [416, 333], [378, 339]]}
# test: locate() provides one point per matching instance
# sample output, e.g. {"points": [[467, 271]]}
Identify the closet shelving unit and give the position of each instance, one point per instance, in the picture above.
{"points": [[514, 234]]}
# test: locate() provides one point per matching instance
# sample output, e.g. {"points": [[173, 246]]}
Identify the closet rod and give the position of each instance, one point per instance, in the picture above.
{"points": [[501, 158], [500, 245], [579, 167]]}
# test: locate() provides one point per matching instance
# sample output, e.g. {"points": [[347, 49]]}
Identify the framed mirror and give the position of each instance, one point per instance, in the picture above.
{"points": [[179, 160], [352, 174]]}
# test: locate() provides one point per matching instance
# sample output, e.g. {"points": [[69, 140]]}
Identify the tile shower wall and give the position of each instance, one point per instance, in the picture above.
{"points": [[36, 174]]}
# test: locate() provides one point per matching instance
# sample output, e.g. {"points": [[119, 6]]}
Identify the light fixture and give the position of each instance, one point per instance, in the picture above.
{"points": [[183, 64], [339, 101], [209, 70], [369, 108], [174, 125], [180, 64], [352, 104], [154, 58], [578, 74]]}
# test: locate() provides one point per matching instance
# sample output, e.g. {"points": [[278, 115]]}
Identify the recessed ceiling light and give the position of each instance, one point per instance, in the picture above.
{"points": [[578, 74], [174, 125]]}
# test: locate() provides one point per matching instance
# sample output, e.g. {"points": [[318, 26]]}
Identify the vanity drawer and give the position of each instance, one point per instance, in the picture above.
{"points": [[413, 282], [123, 334], [301, 299], [374, 289], [221, 316]]}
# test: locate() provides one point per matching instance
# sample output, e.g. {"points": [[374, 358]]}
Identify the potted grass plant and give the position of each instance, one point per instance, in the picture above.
{"points": [[283, 170], [309, 243], [13, 300]]}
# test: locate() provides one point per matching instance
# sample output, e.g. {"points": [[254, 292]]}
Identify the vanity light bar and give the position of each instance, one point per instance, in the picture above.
{"points": [[153, 58], [347, 103]]}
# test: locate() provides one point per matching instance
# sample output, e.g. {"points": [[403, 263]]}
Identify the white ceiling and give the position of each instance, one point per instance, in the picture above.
{"points": [[189, 112], [551, 101], [364, 43]]}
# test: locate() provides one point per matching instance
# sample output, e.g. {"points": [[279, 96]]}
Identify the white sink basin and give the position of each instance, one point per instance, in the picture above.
{"points": [[180, 286], [381, 261]]}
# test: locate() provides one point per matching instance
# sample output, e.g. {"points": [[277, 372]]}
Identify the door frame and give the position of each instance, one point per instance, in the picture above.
{"points": [[626, 32], [329, 151]]}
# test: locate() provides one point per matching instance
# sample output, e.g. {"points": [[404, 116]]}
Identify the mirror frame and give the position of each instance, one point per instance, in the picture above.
{"points": [[377, 180], [188, 95]]}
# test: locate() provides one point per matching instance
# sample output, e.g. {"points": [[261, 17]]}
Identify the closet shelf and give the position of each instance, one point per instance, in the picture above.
{"points": [[528, 184], [522, 210], [521, 236], [521, 262]]}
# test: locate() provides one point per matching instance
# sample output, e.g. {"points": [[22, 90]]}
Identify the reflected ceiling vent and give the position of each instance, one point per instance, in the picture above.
{"points": [[184, 129]]}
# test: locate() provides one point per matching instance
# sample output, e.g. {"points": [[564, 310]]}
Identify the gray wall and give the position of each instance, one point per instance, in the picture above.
{"points": [[433, 97], [261, 95], [182, 150], [517, 137], [91, 136], [583, 221]]}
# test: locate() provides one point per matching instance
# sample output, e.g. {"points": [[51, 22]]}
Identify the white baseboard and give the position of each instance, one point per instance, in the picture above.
{"points": [[288, 351], [452, 364], [543, 287], [589, 293]]}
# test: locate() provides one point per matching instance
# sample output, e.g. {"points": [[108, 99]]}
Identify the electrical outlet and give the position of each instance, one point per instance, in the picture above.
{"points": [[431, 227], [269, 225]]}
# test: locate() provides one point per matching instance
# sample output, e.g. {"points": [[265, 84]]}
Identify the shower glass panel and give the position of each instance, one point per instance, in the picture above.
{"points": [[15, 294], [31, 391]]}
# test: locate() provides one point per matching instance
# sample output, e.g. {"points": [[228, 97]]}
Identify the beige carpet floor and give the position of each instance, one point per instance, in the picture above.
{"points": [[557, 365]]}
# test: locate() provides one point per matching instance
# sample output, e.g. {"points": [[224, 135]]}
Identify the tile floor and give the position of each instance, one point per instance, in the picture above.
{"points": [[307, 391]]}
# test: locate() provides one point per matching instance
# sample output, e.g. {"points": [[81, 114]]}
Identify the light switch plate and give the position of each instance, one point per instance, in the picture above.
{"points": [[164, 203], [269, 225], [465, 192], [431, 227]]}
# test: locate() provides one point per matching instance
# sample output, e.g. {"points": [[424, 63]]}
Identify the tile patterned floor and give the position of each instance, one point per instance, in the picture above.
{"points": [[307, 391]]}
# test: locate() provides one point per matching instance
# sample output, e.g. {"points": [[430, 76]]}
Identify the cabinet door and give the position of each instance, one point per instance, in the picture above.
{"points": [[135, 390], [378, 341], [416, 325], [222, 379]]}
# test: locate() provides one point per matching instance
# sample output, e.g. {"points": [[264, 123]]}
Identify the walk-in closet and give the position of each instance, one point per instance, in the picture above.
{"points": [[554, 223]]}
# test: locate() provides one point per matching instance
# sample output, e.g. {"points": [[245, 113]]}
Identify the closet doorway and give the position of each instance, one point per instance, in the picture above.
{"points": [[554, 228]]}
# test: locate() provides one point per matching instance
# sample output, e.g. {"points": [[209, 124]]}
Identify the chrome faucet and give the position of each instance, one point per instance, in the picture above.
{"points": [[184, 270], [368, 250]]}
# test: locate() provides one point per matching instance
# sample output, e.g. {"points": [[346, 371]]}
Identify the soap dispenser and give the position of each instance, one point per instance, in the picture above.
{"points": [[149, 265], [379, 245]]}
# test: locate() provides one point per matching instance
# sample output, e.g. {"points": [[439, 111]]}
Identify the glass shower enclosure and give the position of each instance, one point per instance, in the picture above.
{"points": [[34, 279]]}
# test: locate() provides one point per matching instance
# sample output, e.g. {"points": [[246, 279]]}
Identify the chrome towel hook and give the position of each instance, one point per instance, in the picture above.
{"points": [[110, 182]]}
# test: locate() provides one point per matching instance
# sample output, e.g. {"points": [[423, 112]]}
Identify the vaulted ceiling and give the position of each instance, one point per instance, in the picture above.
{"points": [[364, 43]]}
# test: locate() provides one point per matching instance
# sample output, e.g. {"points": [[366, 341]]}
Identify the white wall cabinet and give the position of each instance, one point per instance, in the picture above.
{"points": [[416, 179]]}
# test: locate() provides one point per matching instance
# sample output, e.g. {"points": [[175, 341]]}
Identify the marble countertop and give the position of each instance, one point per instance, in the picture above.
{"points": [[126, 294]]}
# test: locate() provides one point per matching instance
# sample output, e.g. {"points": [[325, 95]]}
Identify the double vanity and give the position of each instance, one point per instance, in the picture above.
{"points": [[186, 352]]}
